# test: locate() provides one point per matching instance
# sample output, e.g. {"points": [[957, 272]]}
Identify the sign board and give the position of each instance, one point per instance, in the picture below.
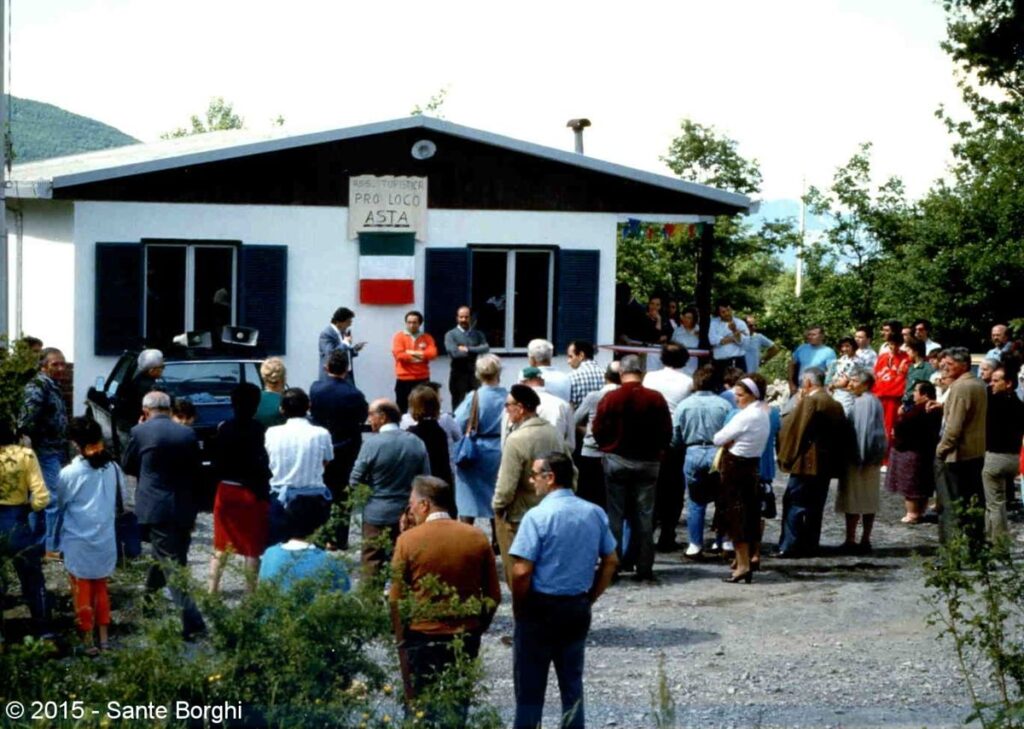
{"points": [[387, 204]]}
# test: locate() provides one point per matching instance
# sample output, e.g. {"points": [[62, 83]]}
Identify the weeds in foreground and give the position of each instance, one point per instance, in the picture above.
{"points": [[977, 599]]}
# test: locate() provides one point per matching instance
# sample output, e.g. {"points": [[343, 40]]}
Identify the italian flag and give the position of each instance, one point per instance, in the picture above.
{"points": [[387, 267]]}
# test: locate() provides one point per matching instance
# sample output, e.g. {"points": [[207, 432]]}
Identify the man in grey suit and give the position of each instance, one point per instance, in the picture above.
{"points": [[165, 458], [463, 344], [336, 335], [388, 461]]}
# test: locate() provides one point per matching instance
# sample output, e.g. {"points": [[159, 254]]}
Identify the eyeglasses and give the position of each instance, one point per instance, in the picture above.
{"points": [[510, 403], [538, 474]]}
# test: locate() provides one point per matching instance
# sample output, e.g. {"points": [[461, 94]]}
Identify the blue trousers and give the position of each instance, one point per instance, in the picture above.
{"points": [[698, 458], [551, 629], [802, 507], [26, 552], [44, 523]]}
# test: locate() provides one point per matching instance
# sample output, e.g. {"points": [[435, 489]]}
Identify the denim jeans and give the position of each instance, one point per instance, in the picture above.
{"points": [[44, 523], [550, 630], [20, 543], [631, 489], [803, 505], [698, 458]]}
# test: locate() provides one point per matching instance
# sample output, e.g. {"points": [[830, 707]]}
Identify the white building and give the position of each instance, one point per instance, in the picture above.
{"points": [[113, 249]]}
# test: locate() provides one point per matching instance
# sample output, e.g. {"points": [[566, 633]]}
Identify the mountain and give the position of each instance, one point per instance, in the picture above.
{"points": [[40, 131]]}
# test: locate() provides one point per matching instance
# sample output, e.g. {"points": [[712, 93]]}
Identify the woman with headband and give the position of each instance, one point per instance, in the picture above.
{"points": [[738, 507]]}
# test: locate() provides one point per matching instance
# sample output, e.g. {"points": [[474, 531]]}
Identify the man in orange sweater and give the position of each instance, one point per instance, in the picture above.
{"points": [[435, 560], [412, 350]]}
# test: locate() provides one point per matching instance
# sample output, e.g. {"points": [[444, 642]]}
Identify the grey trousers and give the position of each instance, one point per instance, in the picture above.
{"points": [[631, 488], [997, 478]]}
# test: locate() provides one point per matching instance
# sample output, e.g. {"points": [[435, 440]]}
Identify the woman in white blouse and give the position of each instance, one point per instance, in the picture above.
{"points": [[738, 507]]}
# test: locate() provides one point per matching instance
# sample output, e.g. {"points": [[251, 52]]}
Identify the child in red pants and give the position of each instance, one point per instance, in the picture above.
{"points": [[92, 608], [88, 493]]}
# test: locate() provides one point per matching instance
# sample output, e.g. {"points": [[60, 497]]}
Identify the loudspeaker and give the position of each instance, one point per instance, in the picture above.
{"points": [[240, 336]]}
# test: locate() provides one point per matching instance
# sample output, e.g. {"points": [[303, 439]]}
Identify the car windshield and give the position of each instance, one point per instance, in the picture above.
{"points": [[207, 381]]}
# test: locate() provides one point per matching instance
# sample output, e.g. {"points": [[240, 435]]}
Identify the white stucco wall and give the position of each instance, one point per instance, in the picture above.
{"points": [[43, 281], [322, 271]]}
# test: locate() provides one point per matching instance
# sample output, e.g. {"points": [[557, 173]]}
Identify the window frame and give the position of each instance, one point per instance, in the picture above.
{"points": [[190, 247], [507, 347]]}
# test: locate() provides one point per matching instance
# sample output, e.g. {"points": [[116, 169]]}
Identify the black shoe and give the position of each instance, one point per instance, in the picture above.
{"points": [[668, 546], [744, 577], [647, 577], [788, 554]]}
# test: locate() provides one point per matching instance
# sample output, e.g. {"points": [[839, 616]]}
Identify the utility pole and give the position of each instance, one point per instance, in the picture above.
{"points": [[5, 300], [800, 247]]}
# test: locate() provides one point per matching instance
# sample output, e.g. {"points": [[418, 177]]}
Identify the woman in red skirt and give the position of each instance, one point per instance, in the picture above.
{"points": [[241, 507]]}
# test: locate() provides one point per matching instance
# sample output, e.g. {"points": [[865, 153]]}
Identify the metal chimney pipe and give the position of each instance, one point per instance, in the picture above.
{"points": [[577, 126]]}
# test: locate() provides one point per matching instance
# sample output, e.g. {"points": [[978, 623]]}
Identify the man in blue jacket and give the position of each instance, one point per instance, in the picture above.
{"points": [[337, 405]]}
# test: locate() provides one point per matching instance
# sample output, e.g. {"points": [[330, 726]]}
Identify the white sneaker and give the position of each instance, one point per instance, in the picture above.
{"points": [[727, 546], [693, 550]]}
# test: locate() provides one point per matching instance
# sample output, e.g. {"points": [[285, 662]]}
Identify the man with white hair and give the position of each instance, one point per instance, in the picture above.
{"points": [[149, 369], [165, 458], [553, 409], [540, 352]]}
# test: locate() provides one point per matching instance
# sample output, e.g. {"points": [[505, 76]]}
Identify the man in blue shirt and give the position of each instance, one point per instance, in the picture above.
{"points": [[812, 353], [694, 424], [554, 583]]}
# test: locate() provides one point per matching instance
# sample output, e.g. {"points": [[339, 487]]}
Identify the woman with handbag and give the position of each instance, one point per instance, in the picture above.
{"points": [[87, 495], [742, 440], [478, 454]]}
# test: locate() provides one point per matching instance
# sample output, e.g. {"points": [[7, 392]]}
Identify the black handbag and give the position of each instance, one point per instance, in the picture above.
{"points": [[126, 526], [706, 483]]}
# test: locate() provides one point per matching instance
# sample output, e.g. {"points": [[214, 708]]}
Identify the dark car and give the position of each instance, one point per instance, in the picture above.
{"points": [[206, 381]]}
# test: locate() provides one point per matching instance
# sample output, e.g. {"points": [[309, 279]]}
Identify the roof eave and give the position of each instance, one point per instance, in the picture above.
{"points": [[741, 203]]}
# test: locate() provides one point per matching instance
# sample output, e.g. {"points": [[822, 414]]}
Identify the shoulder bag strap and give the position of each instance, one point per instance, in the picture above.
{"points": [[474, 415], [118, 499]]}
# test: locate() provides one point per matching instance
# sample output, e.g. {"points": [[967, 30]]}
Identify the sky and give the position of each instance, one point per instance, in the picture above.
{"points": [[798, 83]]}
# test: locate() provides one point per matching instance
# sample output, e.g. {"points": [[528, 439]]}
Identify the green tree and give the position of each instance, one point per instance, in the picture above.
{"points": [[701, 154], [744, 257], [220, 115]]}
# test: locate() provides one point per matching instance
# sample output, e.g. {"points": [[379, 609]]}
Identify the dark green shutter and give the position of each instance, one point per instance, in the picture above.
{"points": [[576, 310], [119, 297], [446, 288], [263, 300]]}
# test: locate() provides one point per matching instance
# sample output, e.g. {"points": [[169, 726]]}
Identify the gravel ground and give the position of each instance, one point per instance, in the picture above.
{"points": [[835, 641]]}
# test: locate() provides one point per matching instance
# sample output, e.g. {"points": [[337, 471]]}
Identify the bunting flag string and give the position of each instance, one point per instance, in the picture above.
{"points": [[674, 232]]}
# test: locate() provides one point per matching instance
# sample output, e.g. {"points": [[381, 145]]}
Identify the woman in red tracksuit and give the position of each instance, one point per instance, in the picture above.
{"points": [[891, 380]]}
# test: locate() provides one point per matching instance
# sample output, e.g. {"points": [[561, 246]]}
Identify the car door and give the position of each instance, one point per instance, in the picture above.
{"points": [[101, 400]]}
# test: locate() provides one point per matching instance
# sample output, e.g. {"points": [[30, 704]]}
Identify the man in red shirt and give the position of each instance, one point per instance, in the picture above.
{"points": [[633, 428], [412, 349]]}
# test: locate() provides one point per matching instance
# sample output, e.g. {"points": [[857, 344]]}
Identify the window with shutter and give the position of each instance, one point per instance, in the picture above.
{"points": [[578, 278], [446, 289], [119, 297], [263, 294]]}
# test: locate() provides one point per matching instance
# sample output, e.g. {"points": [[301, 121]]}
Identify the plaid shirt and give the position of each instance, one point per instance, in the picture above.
{"points": [[586, 378]]}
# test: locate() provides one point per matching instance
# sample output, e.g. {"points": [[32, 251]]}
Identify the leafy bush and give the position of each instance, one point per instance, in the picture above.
{"points": [[977, 599], [306, 656]]}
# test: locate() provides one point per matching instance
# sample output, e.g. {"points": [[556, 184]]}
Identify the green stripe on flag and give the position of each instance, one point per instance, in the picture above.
{"points": [[387, 244]]}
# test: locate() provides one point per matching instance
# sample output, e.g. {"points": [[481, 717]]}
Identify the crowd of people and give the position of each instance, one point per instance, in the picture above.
{"points": [[575, 477]]}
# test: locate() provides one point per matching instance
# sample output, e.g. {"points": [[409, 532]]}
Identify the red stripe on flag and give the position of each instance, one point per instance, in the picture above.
{"points": [[385, 291]]}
